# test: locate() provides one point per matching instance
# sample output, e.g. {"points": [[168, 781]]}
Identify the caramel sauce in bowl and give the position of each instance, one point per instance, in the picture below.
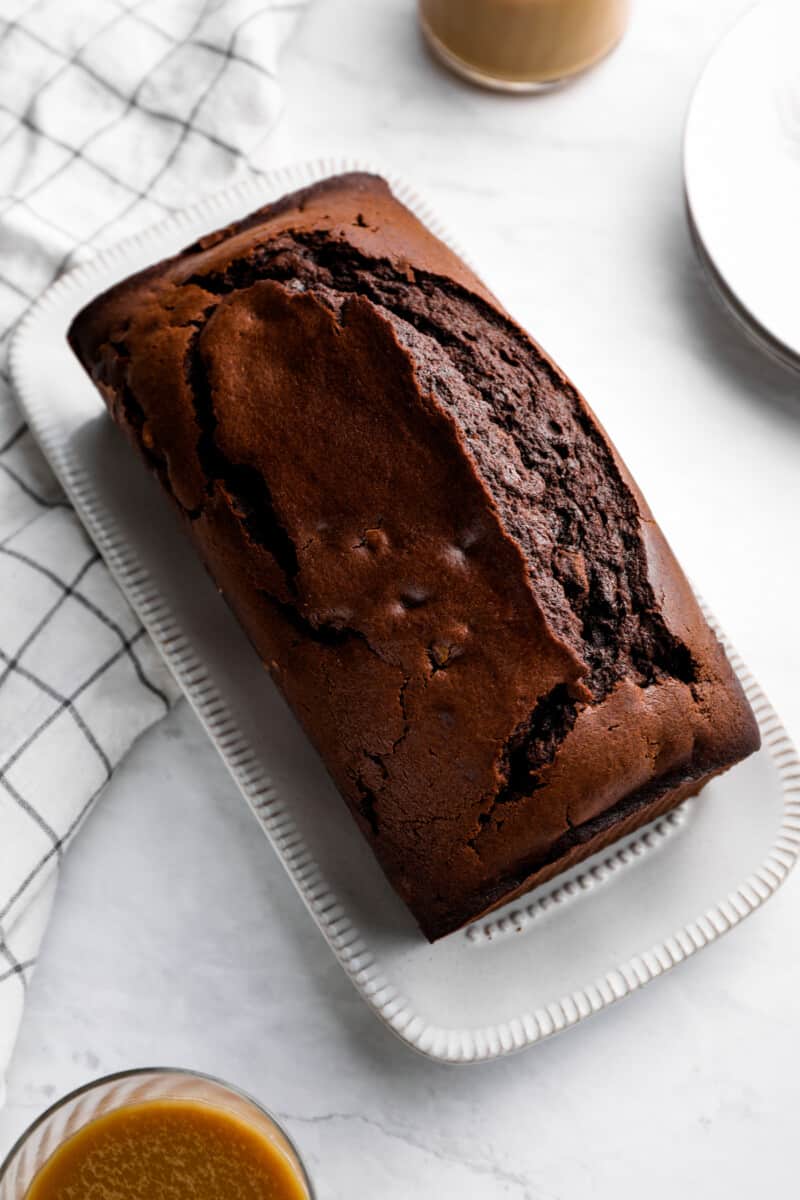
{"points": [[522, 45], [155, 1132]]}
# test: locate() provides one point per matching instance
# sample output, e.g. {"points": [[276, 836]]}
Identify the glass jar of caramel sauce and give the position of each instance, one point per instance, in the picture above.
{"points": [[156, 1132]]}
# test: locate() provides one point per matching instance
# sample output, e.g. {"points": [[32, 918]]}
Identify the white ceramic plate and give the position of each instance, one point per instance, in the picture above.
{"points": [[742, 173], [537, 967]]}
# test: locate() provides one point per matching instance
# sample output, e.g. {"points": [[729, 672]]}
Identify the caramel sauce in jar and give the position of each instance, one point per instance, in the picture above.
{"points": [[181, 1149], [522, 45]]}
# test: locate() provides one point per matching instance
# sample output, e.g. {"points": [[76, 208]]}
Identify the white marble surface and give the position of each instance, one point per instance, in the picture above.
{"points": [[177, 939]]}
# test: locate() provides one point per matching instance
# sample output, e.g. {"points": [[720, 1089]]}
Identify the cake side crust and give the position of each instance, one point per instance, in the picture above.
{"points": [[489, 658]]}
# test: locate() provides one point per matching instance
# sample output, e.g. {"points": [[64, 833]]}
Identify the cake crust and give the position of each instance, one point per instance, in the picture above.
{"points": [[428, 537]]}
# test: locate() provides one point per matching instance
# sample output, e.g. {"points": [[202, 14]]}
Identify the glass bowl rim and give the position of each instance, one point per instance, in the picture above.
{"points": [[133, 1072]]}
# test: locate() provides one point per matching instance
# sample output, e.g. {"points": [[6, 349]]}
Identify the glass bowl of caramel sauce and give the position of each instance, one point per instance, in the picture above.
{"points": [[155, 1132], [522, 45]]}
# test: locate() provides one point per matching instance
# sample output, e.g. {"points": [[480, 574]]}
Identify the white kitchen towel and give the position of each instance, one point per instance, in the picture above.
{"points": [[112, 113]]}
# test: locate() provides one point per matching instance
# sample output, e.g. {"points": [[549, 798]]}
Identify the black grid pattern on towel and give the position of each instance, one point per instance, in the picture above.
{"points": [[108, 124]]}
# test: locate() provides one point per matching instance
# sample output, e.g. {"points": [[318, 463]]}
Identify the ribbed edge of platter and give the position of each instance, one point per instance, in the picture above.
{"points": [[467, 1045]]}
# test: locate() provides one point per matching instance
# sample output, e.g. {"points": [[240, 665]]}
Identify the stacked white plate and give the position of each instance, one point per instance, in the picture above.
{"points": [[742, 175]]}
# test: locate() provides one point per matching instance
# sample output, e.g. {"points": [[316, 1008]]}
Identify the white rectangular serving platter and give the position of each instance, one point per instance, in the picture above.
{"points": [[534, 968]]}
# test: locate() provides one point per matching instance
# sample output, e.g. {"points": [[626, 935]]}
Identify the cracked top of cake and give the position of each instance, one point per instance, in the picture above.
{"points": [[427, 535]]}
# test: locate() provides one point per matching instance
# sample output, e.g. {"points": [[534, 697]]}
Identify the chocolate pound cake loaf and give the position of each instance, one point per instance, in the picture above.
{"points": [[428, 537]]}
